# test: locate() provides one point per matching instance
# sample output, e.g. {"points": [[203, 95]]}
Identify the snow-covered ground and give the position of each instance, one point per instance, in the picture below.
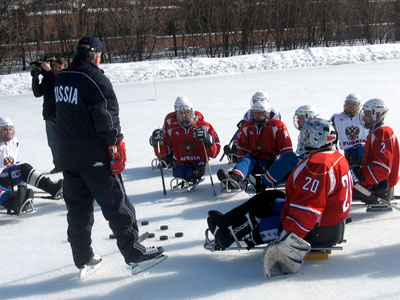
{"points": [[35, 258]]}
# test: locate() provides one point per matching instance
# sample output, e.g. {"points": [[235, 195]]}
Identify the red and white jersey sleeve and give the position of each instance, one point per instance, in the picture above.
{"points": [[268, 142], [318, 191], [381, 158], [187, 148]]}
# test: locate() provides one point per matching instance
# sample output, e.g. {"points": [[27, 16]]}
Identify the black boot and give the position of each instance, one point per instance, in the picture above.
{"points": [[15, 201], [54, 189], [227, 230]]}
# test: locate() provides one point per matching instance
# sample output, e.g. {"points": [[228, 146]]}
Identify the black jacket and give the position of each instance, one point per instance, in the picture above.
{"points": [[46, 89], [87, 116]]}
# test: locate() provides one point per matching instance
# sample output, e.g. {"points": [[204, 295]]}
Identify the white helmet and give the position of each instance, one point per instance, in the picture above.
{"points": [[182, 102], [261, 106], [6, 122], [308, 111], [184, 111], [356, 100], [259, 96], [317, 133], [378, 109]]}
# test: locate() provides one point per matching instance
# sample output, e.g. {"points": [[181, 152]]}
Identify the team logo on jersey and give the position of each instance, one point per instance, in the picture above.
{"points": [[259, 146], [188, 147], [352, 132]]}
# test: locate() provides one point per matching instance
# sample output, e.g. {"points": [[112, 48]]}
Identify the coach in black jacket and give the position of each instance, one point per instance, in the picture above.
{"points": [[93, 156]]}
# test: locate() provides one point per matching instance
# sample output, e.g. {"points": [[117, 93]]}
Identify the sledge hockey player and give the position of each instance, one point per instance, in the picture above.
{"points": [[187, 140], [169, 121], [231, 152], [280, 170], [379, 170], [260, 141], [12, 172], [16, 201], [92, 157], [318, 197], [351, 133]]}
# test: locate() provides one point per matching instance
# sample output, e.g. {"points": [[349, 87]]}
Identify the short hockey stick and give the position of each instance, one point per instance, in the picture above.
{"points": [[367, 193], [209, 169], [161, 169]]}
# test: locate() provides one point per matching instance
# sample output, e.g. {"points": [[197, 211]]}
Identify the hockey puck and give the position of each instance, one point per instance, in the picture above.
{"points": [[163, 237], [144, 223], [151, 235], [164, 227], [112, 236], [178, 234]]}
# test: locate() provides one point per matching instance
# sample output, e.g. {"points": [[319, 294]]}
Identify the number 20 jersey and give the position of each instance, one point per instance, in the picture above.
{"points": [[318, 191]]}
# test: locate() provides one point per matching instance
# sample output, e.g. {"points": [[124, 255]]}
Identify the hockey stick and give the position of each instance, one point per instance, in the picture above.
{"points": [[367, 193], [161, 168], [209, 169]]}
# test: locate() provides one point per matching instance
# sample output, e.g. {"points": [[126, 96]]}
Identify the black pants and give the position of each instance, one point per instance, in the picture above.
{"points": [[80, 189]]}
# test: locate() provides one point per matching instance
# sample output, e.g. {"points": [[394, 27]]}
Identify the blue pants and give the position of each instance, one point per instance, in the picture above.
{"points": [[279, 172], [15, 179], [3, 194], [247, 164], [189, 172]]}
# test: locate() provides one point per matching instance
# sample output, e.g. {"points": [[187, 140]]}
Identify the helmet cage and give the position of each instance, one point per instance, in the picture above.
{"points": [[317, 133]]}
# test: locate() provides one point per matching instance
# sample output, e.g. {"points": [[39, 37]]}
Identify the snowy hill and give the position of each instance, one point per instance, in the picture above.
{"points": [[35, 258]]}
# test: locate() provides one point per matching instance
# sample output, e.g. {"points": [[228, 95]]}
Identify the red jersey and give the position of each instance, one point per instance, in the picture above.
{"points": [[187, 148], [381, 158], [318, 191], [171, 120], [267, 142]]}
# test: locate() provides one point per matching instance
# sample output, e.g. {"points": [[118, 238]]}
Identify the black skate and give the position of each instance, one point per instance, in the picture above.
{"points": [[231, 154], [19, 201], [55, 190], [87, 269], [149, 258], [27, 204], [228, 181]]}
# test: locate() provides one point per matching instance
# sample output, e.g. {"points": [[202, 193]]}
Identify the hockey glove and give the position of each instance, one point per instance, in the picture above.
{"points": [[240, 124], [157, 137], [202, 135], [117, 157], [355, 173], [8, 161], [285, 255]]}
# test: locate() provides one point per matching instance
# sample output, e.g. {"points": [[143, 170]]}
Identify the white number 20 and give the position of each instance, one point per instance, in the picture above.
{"points": [[348, 184], [311, 185]]}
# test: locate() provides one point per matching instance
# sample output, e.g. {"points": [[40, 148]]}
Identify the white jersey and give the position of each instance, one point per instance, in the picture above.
{"points": [[9, 149], [349, 129], [275, 114]]}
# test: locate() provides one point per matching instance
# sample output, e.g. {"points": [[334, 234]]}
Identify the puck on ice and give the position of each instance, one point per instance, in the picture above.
{"points": [[164, 227], [178, 234], [163, 237], [144, 223], [151, 235], [112, 236]]}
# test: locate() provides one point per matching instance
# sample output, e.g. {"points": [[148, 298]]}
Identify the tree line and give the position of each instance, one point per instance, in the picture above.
{"points": [[152, 29]]}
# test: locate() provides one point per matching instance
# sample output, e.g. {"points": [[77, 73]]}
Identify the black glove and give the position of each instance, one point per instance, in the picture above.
{"points": [[355, 155], [157, 137], [355, 173], [36, 71], [202, 135], [240, 124]]}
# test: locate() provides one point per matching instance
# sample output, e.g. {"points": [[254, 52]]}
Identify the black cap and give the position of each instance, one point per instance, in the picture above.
{"points": [[95, 45]]}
